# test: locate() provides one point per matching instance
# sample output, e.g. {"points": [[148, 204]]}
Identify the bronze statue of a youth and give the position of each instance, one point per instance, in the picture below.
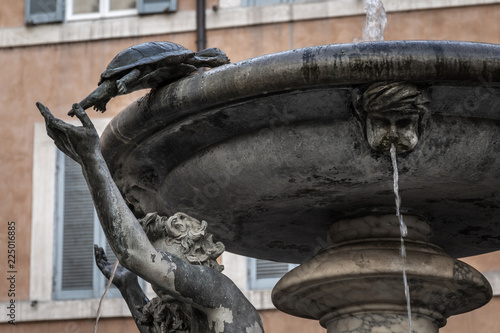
{"points": [[195, 298]]}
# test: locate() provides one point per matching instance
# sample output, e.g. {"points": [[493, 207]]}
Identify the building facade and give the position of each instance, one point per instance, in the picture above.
{"points": [[54, 52]]}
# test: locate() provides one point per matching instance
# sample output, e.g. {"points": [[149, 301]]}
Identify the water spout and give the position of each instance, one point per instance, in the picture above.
{"points": [[391, 113], [375, 22], [404, 232]]}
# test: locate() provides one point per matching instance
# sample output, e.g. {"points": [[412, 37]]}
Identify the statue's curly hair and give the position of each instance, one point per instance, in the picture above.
{"points": [[198, 245]]}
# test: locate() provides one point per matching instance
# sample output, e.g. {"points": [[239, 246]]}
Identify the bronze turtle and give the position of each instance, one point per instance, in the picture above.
{"points": [[148, 65]]}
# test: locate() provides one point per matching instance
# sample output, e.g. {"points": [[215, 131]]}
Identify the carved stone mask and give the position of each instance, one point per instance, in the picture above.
{"points": [[392, 127], [392, 113]]}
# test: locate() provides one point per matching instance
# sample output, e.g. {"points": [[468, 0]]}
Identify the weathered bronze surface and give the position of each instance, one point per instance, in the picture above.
{"points": [[149, 65], [272, 150], [174, 254]]}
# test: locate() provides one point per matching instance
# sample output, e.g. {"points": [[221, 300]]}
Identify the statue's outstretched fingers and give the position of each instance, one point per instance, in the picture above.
{"points": [[80, 114], [53, 124], [49, 117], [44, 111]]}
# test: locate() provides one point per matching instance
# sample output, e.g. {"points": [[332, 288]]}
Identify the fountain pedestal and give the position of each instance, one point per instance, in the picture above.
{"points": [[356, 283]]}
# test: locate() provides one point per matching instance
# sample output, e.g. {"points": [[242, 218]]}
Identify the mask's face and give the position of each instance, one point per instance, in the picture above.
{"points": [[392, 127]]}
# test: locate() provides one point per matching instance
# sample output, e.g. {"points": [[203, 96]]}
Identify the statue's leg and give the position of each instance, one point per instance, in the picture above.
{"points": [[101, 105], [130, 77]]}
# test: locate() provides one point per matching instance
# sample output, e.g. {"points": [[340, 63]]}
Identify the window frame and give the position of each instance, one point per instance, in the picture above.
{"points": [[41, 305], [104, 12], [45, 212], [63, 11]]}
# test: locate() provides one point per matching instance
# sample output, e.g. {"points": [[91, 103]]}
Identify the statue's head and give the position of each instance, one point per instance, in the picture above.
{"points": [[392, 113], [184, 237]]}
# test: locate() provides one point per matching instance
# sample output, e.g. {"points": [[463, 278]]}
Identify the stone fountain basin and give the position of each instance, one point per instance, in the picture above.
{"points": [[270, 152]]}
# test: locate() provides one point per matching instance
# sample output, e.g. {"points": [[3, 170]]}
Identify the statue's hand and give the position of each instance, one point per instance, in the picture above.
{"points": [[78, 142], [123, 277]]}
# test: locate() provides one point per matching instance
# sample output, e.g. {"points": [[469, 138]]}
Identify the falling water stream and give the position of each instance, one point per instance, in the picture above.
{"points": [[373, 30], [403, 230]]}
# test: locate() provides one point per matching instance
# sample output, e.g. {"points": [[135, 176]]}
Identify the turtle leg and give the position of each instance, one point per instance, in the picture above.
{"points": [[130, 77], [99, 97], [101, 105]]}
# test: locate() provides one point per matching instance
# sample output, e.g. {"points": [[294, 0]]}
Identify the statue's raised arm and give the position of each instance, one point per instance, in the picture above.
{"points": [[175, 254]]}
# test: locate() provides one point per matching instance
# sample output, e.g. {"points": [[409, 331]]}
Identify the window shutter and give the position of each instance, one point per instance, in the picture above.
{"points": [[270, 270], [44, 11], [264, 274], [156, 6], [77, 230], [75, 233]]}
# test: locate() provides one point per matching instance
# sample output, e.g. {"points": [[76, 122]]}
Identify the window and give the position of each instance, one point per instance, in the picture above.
{"points": [[249, 3], [77, 230], [41, 11], [47, 11], [264, 274], [41, 305], [89, 9]]}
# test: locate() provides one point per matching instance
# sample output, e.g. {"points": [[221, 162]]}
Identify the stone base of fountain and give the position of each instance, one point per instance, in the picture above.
{"points": [[382, 322], [356, 284]]}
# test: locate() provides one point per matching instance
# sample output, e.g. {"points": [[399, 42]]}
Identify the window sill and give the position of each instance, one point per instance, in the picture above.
{"points": [[86, 309], [98, 16], [116, 307], [62, 310]]}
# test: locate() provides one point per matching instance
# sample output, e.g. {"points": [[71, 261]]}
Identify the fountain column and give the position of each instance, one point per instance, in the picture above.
{"points": [[355, 285]]}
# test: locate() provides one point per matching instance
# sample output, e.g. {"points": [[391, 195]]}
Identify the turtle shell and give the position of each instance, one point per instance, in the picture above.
{"points": [[145, 54]]}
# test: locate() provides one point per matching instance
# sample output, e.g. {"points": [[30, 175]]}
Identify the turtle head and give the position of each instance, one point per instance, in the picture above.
{"points": [[212, 57]]}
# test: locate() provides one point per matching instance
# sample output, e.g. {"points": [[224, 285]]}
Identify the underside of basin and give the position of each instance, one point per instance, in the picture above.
{"points": [[270, 151]]}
